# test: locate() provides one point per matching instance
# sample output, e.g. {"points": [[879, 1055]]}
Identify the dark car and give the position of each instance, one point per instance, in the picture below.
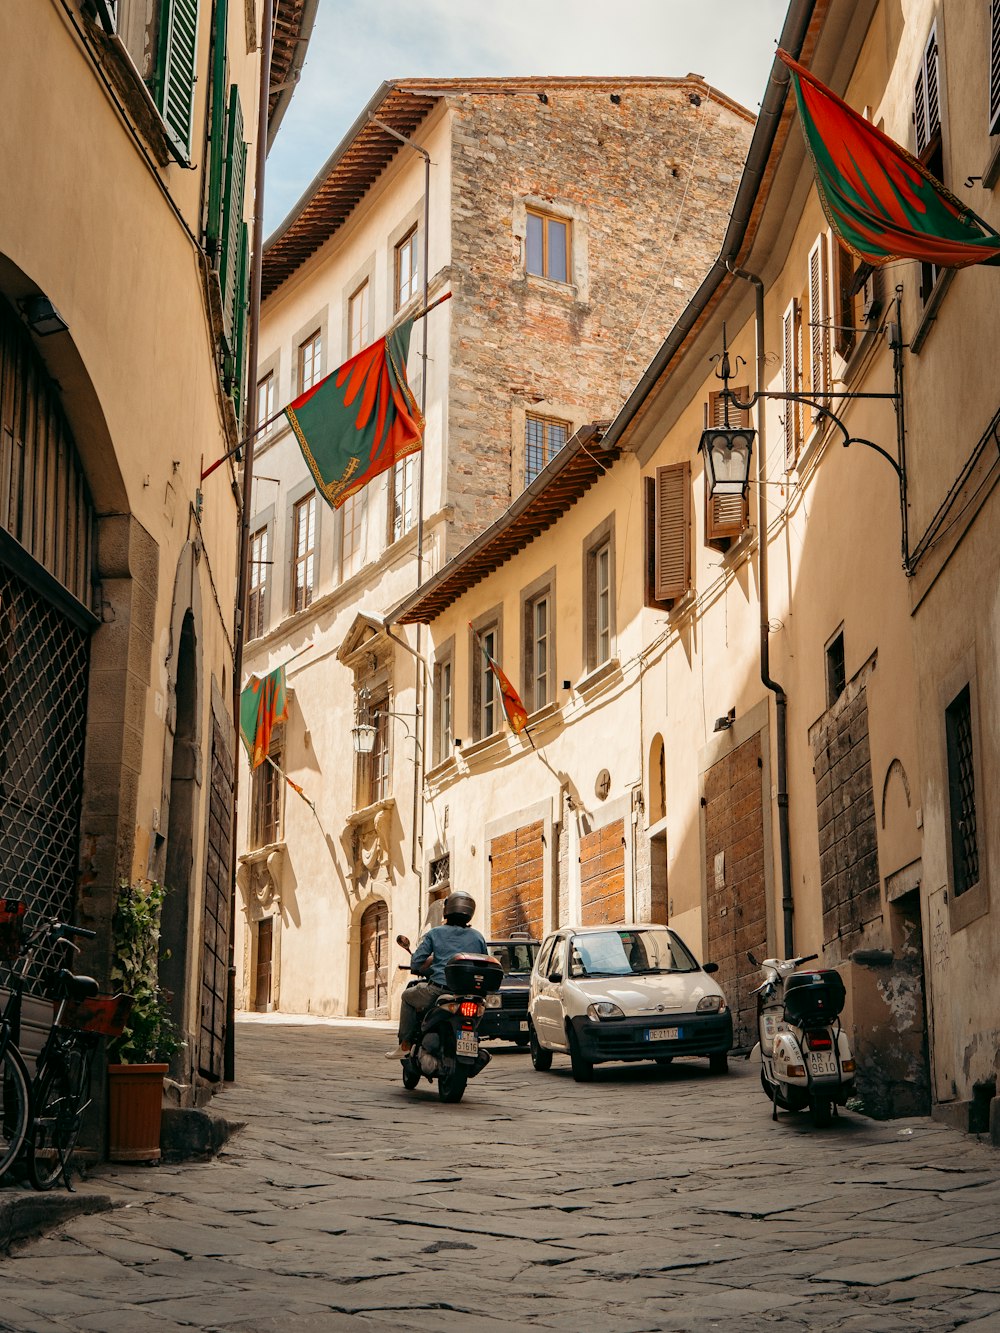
{"points": [[506, 1016]]}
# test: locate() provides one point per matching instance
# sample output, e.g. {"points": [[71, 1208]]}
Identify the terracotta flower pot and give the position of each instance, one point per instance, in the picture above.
{"points": [[135, 1106]]}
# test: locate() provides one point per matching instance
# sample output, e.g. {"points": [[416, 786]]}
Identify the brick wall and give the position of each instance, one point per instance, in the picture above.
{"points": [[647, 184]]}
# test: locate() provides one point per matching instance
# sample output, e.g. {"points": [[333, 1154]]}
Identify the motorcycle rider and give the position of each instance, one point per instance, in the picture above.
{"points": [[437, 948]]}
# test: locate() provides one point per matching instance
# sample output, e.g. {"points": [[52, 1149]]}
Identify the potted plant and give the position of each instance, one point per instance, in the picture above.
{"points": [[140, 1056]]}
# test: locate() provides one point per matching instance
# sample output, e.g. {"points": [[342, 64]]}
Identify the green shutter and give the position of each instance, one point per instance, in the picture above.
{"points": [[216, 152], [232, 216], [175, 71], [239, 360]]}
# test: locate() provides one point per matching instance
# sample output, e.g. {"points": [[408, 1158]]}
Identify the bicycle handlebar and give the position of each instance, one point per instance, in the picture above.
{"points": [[80, 931]]}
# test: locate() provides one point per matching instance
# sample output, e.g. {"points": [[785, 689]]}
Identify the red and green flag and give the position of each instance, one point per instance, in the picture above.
{"points": [[882, 203], [360, 420], [263, 704], [514, 710]]}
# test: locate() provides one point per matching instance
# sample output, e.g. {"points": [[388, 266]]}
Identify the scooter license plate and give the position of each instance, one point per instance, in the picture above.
{"points": [[662, 1034], [821, 1064], [467, 1044]]}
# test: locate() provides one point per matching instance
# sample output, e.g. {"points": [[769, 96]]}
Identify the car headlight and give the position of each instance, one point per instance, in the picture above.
{"points": [[493, 1001], [711, 1004], [603, 1009]]}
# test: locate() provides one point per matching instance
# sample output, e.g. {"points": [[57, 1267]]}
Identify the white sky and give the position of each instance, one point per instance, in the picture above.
{"points": [[357, 45]]}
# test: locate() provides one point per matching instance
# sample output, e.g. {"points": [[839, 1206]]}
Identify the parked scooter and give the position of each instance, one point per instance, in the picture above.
{"points": [[804, 1054], [448, 1048]]}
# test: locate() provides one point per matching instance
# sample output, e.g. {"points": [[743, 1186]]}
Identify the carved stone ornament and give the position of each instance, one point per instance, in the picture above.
{"points": [[367, 837], [259, 878]]}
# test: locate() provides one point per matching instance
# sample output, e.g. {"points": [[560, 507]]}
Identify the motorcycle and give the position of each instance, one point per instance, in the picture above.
{"points": [[804, 1054], [447, 1048]]}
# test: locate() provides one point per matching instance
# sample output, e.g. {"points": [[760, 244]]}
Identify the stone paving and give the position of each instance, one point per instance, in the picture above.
{"points": [[651, 1199]]}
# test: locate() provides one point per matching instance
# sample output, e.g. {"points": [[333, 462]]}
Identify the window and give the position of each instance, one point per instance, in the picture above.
{"points": [[726, 516], [265, 402], [161, 36], [962, 792], [538, 664], [836, 674], [352, 534], [487, 710], [303, 551], [994, 66], [668, 534], [855, 308], [547, 242], [444, 733], [373, 769], [265, 799], [406, 268], [543, 438], [310, 361], [927, 131], [259, 566], [791, 358], [403, 496], [598, 595], [357, 320], [819, 322]]}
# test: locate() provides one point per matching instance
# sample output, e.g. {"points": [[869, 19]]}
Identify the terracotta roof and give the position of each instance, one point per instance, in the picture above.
{"points": [[366, 150], [293, 24], [575, 468]]}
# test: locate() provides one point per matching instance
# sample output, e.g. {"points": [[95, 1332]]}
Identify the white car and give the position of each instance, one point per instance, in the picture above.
{"points": [[624, 993]]}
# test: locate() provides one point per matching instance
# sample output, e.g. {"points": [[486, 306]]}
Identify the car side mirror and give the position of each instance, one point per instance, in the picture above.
{"points": [[403, 941], [555, 976], [710, 968]]}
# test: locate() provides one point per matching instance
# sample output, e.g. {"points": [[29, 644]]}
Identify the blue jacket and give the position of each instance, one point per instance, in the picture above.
{"points": [[444, 942]]}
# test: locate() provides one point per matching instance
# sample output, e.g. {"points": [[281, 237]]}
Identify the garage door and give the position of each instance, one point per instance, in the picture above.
{"points": [[517, 862], [602, 875]]}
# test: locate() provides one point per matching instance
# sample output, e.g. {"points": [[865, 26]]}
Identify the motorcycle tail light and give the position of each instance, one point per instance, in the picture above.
{"points": [[818, 1041], [847, 1066], [469, 1008]]}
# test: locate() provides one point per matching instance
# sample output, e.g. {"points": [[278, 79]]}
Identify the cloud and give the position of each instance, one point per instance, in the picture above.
{"points": [[354, 48]]}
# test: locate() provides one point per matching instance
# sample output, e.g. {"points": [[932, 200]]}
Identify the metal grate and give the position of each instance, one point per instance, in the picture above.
{"points": [[43, 708], [962, 784]]}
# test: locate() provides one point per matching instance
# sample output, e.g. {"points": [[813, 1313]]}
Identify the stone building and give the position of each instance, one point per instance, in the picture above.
{"points": [[123, 248], [772, 723], [569, 219]]}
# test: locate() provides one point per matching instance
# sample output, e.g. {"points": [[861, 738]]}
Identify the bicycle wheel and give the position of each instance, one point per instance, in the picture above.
{"points": [[61, 1097], [16, 1106]]}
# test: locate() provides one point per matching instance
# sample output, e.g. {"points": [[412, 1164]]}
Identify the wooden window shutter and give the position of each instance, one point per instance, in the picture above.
{"points": [[819, 319], [217, 134], [726, 516], [844, 337], [994, 66], [232, 216], [790, 333], [238, 373], [107, 14], [673, 531], [926, 97], [175, 71]]}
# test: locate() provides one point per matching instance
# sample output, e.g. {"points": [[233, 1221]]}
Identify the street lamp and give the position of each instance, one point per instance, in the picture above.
{"points": [[363, 731], [727, 451]]}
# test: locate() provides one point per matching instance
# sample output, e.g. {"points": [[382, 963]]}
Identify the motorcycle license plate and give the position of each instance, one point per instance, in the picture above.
{"points": [[524, 1025], [467, 1044], [662, 1034], [821, 1064]]}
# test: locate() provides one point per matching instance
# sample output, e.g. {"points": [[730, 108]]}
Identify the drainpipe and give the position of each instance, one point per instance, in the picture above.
{"points": [[780, 698]]}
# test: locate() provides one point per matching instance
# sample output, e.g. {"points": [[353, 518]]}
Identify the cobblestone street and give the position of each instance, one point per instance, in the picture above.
{"points": [[652, 1199]]}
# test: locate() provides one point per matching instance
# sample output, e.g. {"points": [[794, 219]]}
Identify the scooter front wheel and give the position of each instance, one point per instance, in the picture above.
{"points": [[411, 1074]]}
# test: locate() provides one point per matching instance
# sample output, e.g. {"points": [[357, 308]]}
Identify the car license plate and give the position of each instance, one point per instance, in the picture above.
{"points": [[467, 1044], [662, 1034], [821, 1064], [524, 1025]]}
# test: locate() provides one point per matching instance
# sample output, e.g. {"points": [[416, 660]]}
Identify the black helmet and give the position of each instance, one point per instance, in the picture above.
{"points": [[461, 905]]}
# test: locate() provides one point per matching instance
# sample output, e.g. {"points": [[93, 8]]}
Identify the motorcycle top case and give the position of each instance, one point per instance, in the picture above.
{"points": [[473, 974], [814, 997]]}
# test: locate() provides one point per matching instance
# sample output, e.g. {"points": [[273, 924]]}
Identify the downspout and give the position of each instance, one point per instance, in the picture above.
{"points": [[250, 399], [780, 698]]}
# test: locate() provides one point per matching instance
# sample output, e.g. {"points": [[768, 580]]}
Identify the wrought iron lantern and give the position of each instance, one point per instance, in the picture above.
{"points": [[363, 731], [727, 451]]}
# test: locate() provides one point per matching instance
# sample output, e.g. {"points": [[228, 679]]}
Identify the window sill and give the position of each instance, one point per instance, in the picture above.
{"points": [[741, 547], [443, 771], [929, 314], [368, 813], [486, 746], [683, 605], [258, 854], [606, 674], [968, 906], [567, 290], [128, 82]]}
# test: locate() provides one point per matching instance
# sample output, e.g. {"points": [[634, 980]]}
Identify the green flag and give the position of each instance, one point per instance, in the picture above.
{"points": [[360, 420], [263, 704]]}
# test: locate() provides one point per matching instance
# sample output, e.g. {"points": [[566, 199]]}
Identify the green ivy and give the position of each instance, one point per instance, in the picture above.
{"points": [[149, 1036]]}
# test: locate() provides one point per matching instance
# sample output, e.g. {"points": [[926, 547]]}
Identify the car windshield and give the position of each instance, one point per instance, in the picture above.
{"points": [[515, 955], [623, 953]]}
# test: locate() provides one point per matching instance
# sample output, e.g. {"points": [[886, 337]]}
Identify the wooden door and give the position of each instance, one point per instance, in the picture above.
{"points": [[602, 875], [373, 997], [517, 877], [215, 922], [262, 982]]}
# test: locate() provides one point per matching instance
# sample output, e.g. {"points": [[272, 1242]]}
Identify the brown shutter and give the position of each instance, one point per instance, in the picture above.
{"points": [[673, 531], [790, 362], [726, 516], [819, 334], [844, 336], [994, 66]]}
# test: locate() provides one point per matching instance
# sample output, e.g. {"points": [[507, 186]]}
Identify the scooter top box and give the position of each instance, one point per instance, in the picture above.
{"points": [[473, 974], [814, 997]]}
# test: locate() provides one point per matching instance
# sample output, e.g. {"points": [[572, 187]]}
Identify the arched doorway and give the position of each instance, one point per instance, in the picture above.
{"points": [[373, 973]]}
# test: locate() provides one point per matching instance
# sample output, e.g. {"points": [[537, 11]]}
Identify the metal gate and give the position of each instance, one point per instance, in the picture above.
{"points": [[43, 710]]}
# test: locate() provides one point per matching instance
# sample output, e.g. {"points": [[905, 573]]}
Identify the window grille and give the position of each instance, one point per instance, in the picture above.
{"points": [[962, 792], [543, 438]]}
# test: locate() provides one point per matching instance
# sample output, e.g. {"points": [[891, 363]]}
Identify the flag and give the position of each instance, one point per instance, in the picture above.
{"points": [[882, 203], [360, 420], [514, 710], [263, 704]]}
